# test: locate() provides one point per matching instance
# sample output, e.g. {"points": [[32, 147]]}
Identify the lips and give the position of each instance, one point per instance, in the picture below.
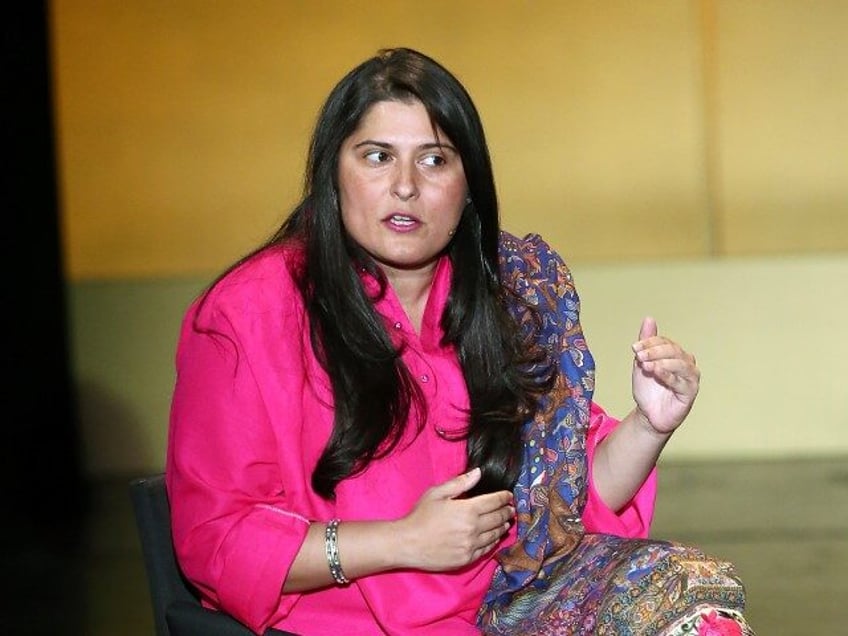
{"points": [[400, 219], [402, 222]]}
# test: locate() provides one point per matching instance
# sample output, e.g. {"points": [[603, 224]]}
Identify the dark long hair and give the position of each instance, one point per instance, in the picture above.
{"points": [[374, 394]]}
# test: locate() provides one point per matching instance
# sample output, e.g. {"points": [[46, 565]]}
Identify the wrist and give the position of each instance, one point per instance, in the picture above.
{"points": [[332, 553], [398, 545], [643, 424]]}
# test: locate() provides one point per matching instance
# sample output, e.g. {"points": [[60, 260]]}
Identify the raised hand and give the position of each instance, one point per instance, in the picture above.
{"points": [[665, 379]]}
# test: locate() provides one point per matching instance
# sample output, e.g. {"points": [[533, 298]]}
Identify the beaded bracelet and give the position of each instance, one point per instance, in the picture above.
{"points": [[331, 548]]}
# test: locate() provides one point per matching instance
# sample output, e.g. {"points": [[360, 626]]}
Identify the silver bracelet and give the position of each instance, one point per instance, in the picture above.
{"points": [[331, 549]]}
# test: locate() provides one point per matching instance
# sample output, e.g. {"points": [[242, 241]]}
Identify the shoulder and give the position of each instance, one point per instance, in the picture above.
{"points": [[529, 263], [263, 285], [540, 292], [530, 243]]}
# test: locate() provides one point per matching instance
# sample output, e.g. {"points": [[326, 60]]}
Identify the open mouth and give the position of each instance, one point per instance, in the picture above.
{"points": [[402, 220]]}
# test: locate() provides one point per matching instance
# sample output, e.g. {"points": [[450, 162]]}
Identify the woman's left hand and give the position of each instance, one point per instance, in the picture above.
{"points": [[665, 379]]}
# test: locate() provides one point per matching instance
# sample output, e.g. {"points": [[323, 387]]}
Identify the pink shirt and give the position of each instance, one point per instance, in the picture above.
{"points": [[252, 413]]}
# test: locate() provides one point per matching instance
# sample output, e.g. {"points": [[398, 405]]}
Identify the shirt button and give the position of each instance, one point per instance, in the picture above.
{"points": [[425, 378], [398, 325]]}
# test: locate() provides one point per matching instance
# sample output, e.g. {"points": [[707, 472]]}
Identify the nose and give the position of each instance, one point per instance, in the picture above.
{"points": [[405, 183]]}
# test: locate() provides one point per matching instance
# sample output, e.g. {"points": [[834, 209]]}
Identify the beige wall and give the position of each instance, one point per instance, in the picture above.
{"points": [[689, 158], [769, 336]]}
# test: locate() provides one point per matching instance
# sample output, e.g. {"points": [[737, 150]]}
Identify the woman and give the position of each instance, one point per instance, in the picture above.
{"points": [[383, 417]]}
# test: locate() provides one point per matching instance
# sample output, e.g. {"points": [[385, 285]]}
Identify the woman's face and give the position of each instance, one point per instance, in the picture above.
{"points": [[401, 187]]}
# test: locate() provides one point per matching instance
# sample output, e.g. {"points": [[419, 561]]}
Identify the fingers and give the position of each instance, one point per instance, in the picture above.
{"points": [[671, 367], [491, 529], [489, 541], [496, 517], [491, 512], [501, 519], [648, 328], [662, 349], [651, 347], [663, 358], [488, 519], [490, 502], [457, 486], [452, 531], [461, 484], [683, 382], [490, 509], [668, 362]]}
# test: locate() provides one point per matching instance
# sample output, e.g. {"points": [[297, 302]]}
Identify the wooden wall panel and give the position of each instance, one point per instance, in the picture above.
{"points": [[620, 131], [184, 124], [782, 96]]}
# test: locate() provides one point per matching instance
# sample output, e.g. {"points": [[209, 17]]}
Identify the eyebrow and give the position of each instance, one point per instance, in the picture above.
{"points": [[388, 146]]}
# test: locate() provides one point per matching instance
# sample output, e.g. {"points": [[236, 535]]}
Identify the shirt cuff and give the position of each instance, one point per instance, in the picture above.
{"points": [[258, 554]]}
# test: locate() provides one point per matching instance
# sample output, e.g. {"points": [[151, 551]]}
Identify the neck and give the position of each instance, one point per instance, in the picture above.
{"points": [[412, 287]]}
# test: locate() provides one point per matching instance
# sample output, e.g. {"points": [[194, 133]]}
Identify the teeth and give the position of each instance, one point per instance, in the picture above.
{"points": [[402, 220]]}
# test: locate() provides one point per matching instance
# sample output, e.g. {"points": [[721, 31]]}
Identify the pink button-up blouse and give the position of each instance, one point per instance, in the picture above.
{"points": [[252, 413]]}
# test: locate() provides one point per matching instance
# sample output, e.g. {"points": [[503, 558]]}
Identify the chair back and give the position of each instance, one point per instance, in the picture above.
{"points": [[153, 518], [176, 609]]}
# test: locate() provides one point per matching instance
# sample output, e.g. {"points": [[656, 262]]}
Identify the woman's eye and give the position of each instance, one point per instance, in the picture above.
{"points": [[433, 160], [377, 156]]}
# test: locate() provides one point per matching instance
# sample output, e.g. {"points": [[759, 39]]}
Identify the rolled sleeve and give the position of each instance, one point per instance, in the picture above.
{"points": [[258, 552], [235, 532]]}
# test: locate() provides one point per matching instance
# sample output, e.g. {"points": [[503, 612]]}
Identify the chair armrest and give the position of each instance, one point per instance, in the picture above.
{"points": [[192, 619]]}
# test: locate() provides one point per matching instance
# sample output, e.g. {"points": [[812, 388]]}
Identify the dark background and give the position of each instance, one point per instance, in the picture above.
{"points": [[43, 494]]}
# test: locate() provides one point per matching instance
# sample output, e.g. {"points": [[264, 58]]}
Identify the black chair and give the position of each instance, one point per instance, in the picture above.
{"points": [[176, 608]]}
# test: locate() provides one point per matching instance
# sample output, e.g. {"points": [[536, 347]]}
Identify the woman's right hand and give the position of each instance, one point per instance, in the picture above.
{"points": [[446, 532]]}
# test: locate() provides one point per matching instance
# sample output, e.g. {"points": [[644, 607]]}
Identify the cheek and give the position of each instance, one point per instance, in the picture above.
{"points": [[454, 198], [354, 195]]}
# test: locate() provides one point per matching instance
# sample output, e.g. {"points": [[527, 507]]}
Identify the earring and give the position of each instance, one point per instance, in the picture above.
{"points": [[451, 232]]}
